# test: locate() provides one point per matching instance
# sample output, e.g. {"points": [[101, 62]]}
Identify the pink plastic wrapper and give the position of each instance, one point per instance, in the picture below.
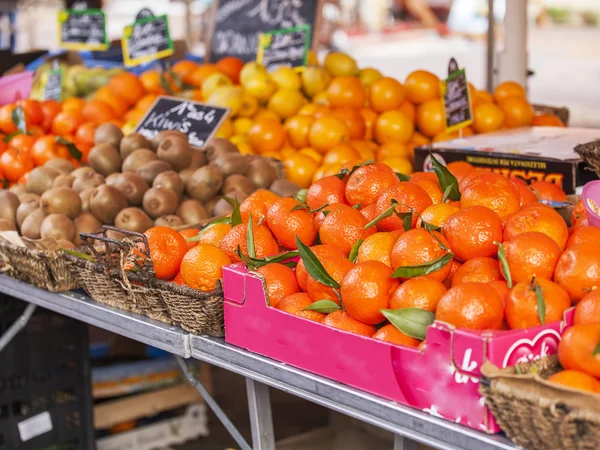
{"points": [[15, 87], [442, 380], [591, 191]]}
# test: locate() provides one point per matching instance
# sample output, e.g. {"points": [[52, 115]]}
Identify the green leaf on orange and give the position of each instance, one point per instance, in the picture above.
{"points": [[18, 118], [323, 306], [423, 269], [250, 238], [402, 177], [504, 263], [596, 350], [541, 303], [412, 322], [314, 267], [387, 213], [236, 216], [354, 250], [448, 182], [301, 195], [73, 151]]}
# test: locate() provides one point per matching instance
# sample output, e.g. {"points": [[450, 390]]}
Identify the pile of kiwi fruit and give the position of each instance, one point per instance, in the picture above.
{"points": [[134, 183]]}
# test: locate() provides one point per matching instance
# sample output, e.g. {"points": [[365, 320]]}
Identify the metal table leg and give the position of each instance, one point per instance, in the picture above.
{"points": [[403, 443], [17, 326], [261, 419]]}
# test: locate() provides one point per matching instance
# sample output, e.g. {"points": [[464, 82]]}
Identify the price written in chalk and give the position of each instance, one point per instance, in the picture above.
{"points": [[457, 102], [284, 48], [198, 121], [146, 40], [53, 86], [83, 29]]}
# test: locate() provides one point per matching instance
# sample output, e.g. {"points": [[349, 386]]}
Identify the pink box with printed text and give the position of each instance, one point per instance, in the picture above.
{"points": [[442, 379], [15, 87]]}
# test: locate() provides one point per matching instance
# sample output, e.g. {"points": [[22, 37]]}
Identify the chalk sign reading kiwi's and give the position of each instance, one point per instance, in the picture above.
{"points": [[82, 29], [198, 121], [236, 25], [284, 48]]}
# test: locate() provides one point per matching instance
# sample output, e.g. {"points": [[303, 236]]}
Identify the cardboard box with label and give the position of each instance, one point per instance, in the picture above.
{"points": [[532, 154]]}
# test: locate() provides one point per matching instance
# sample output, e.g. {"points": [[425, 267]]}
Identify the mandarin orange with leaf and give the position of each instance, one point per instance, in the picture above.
{"points": [[367, 183], [326, 191], [420, 292], [389, 333], [321, 252], [480, 269], [473, 232], [280, 281], [343, 227], [537, 217], [345, 322], [296, 304], [578, 269], [578, 349], [288, 219], [377, 247], [406, 198], [531, 254], [337, 267], [167, 247], [493, 191], [474, 306], [265, 243]]}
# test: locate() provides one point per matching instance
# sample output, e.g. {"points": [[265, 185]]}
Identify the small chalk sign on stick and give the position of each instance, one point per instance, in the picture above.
{"points": [[198, 121], [457, 102], [82, 29], [53, 86], [284, 48], [147, 39]]}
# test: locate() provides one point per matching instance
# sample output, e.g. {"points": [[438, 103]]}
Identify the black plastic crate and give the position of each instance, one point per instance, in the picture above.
{"points": [[44, 373]]}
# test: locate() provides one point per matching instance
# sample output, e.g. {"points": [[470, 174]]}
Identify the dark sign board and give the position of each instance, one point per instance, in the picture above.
{"points": [[284, 48], [196, 120], [82, 29], [236, 25], [457, 104], [146, 40]]}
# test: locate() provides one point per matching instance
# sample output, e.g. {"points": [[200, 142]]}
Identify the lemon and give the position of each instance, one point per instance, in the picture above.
{"points": [[286, 78], [242, 125], [321, 99], [368, 76], [286, 102], [213, 82], [261, 87], [228, 97], [251, 70], [249, 105], [340, 64], [399, 164], [225, 130], [314, 80]]}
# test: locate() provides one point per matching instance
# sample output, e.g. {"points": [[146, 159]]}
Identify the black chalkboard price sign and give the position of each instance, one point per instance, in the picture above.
{"points": [[82, 29], [457, 101], [236, 25], [146, 40], [196, 120], [284, 48]]}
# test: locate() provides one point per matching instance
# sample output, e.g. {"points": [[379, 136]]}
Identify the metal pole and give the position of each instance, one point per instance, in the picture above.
{"points": [[17, 326], [261, 419], [403, 443], [512, 63], [491, 47]]}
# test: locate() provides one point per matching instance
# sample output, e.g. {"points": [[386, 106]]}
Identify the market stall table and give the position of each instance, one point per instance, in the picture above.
{"points": [[408, 424]]}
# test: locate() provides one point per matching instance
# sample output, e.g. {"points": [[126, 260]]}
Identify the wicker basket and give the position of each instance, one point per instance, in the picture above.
{"points": [[537, 414], [39, 263], [561, 112], [590, 152]]}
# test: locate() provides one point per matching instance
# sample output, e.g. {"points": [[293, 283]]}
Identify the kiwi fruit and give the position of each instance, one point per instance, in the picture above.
{"points": [[222, 207], [63, 180], [231, 163], [82, 171], [198, 159], [137, 159], [61, 165], [87, 180], [158, 138], [133, 219], [61, 200], [57, 226], [159, 201], [85, 199], [191, 212], [106, 202], [176, 151], [63, 243], [150, 170], [19, 189], [185, 175], [9, 202], [218, 147], [170, 220], [205, 183], [104, 159], [237, 182], [108, 133], [131, 143], [112, 178], [132, 185], [115, 235], [85, 223], [31, 227], [26, 208], [284, 188], [40, 179], [5, 225], [261, 173], [209, 206], [170, 180]]}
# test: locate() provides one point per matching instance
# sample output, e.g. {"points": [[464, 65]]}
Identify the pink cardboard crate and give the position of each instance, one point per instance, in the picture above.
{"points": [[15, 87], [442, 380]]}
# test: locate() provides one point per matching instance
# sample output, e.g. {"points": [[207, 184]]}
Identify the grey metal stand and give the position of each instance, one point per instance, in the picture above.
{"points": [[261, 419], [402, 443]]}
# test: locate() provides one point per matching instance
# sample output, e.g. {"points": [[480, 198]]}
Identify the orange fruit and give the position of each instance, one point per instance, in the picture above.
{"points": [[545, 190], [346, 91], [577, 349], [483, 97], [584, 234], [437, 214], [280, 281], [409, 110], [386, 94], [367, 183], [183, 68], [72, 104], [300, 169], [471, 305], [328, 131], [231, 66], [467, 177], [15, 164], [389, 333], [151, 80], [472, 232], [32, 109], [167, 248], [22, 142], [517, 112], [480, 269], [501, 288], [588, 309], [118, 105], [343, 227], [410, 197], [421, 86], [265, 243], [420, 292], [337, 267], [296, 303], [146, 102], [202, 266], [287, 224], [50, 108], [578, 214], [508, 89], [214, 234], [66, 123], [127, 86], [430, 117], [7, 126], [322, 252], [537, 217], [369, 212], [546, 120], [487, 117], [393, 126], [433, 189], [46, 148], [85, 133], [418, 247], [370, 117], [340, 154], [257, 203], [189, 233], [493, 191], [522, 308], [526, 194], [179, 279], [576, 379], [344, 321], [297, 129], [531, 254], [353, 119], [266, 135], [393, 150], [377, 247], [578, 269], [327, 190], [366, 290], [418, 176]]}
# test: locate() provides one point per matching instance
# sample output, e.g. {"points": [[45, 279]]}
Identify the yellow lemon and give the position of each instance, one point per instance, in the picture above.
{"points": [[368, 76], [242, 125], [213, 82], [251, 70], [340, 64], [225, 130], [249, 105], [321, 98], [311, 58], [261, 87], [228, 97], [238, 139], [314, 80], [286, 78], [399, 164], [311, 152], [300, 169], [286, 102]]}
